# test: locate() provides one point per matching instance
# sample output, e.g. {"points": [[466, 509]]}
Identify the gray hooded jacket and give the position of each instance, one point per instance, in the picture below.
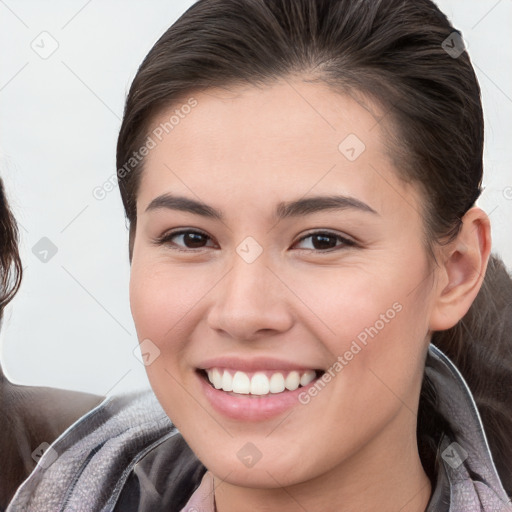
{"points": [[126, 455]]}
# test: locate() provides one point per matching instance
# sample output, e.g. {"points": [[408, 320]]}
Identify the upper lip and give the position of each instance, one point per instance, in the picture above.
{"points": [[254, 364]]}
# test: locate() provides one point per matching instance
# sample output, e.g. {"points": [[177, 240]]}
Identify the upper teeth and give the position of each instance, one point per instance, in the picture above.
{"points": [[259, 383]]}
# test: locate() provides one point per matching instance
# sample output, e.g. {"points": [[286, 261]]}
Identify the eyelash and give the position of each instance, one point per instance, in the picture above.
{"points": [[166, 239]]}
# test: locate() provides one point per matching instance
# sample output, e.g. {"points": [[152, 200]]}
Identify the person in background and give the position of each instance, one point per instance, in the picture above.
{"points": [[31, 417]]}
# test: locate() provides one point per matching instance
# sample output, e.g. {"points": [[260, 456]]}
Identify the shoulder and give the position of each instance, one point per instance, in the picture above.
{"points": [[92, 460], [32, 417], [467, 477]]}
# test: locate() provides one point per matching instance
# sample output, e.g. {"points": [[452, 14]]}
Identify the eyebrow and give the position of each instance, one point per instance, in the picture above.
{"points": [[284, 210]]}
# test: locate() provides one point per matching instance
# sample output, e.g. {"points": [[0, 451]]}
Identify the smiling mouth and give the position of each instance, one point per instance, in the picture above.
{"points": [[260, 383]]}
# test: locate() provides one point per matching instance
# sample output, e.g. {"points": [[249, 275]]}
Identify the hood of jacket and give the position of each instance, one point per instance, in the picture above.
{"points": [[126, 455]]}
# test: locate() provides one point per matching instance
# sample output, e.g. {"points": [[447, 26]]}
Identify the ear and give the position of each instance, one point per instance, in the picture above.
{"points": [[462, 263]]}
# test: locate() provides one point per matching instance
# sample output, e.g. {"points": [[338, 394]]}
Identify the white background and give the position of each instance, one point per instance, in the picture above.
{"points": [[70, 325]]}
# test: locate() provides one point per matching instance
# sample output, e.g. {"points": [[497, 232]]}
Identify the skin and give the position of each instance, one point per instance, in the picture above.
{"points": [[243, 151]]}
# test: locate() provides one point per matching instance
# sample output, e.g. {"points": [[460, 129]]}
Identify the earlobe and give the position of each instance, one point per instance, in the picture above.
{"points": [[462, 271]]}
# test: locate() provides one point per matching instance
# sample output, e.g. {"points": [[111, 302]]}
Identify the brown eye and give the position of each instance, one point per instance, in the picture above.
{"points": [[193, 240], [185, 239], [323, 241]]}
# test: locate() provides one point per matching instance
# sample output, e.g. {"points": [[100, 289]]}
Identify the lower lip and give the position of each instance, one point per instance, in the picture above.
{"points": [[251, 407]]}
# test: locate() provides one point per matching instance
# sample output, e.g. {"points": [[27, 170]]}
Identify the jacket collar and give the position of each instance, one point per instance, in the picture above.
{"points": [[467, 480]]}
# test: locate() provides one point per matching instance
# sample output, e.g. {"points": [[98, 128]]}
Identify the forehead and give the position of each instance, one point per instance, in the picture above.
{"points": [[310, 116], [286, 138]]}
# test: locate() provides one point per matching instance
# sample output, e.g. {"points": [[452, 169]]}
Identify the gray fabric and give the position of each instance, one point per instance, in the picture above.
{"points": [[474, 485], [95, 456], [126, 456]]}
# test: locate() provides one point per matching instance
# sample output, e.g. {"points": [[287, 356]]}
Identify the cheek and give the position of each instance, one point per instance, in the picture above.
{"points": [[158, 304], [372, 321], [149, 303], [167, 305], [162, 298], [356, 302], [161, 302]]}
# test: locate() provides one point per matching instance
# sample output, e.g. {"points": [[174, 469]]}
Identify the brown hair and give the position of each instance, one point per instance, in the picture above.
{"points": [[392, 52], [10, 264]]}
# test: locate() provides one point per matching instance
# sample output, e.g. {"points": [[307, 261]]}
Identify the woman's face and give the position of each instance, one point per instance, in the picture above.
{"points": [[274, 239]]}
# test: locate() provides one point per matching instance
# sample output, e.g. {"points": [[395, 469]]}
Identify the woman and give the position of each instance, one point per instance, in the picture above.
{"points": [[300, 179]]}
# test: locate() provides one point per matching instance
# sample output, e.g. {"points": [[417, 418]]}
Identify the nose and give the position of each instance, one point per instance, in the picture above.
{"points": [[250, 302]]}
